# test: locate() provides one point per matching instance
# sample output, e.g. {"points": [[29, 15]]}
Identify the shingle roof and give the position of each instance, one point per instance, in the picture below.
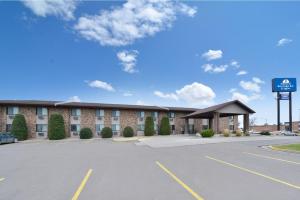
{"points": [[92, 105]]}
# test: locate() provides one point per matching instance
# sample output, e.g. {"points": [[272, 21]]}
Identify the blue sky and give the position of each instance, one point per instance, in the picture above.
{"points": [[138, 52]]}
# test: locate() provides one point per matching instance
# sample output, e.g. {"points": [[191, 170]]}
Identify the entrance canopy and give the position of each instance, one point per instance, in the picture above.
{"points": [[227, 109]]}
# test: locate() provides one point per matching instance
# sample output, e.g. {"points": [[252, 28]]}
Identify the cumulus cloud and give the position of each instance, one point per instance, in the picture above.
{"points": [[196, 94], [245, 98], [101, 85], [284, 41], [133, 20], [127, 94], [59, 8], [212, 54], [250, 86], [74, 99], [257, 80], [140, 102], [128, 60], [170, 96], [242, 72], [235, 64], [214, 69]]}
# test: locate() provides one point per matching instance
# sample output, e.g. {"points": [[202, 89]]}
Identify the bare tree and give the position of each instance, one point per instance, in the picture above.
{"points": [[252, 121]]}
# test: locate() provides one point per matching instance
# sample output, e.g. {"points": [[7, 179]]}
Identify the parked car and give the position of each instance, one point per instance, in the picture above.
{"points": [[289, 133], [6, 138]]}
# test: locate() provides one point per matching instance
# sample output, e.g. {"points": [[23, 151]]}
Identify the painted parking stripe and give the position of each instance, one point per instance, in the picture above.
{"points": [[255, 173], [180, 182], [273, 158], [2, 179], [80, 188]]}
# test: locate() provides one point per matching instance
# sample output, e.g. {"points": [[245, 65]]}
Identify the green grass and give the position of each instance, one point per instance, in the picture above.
{"points": [[293, 147]]}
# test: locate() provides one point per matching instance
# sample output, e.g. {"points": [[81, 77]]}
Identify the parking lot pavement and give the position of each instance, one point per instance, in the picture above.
{"points": [[103, 169]]}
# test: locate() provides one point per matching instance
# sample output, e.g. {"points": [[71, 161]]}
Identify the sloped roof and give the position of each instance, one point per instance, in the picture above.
{"points": [[210, 110]]}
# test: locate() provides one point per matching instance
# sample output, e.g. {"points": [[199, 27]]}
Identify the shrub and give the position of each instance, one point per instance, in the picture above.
{"points": [[86, 133], [128, 132], [165, 128], [149, 127], [246, 134], [19, 127], [265, 133], [56, 127], [226, 133], [238, 133], [106, 132], [207, 133]]}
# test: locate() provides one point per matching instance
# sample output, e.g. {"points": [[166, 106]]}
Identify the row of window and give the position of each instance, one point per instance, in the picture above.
{"points": [[42, 111]]}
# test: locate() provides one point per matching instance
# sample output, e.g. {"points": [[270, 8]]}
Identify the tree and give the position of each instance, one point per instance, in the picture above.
{"points": [[56, 127], [86, 133], [19, 127], [252, 121], [165, 126], [128, 132], [149, 126]]}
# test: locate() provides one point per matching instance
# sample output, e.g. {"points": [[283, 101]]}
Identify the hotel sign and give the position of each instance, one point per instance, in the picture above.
{"points": [[284, 85]]}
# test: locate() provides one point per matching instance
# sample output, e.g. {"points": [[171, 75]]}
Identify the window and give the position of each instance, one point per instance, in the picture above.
{"points": [[171, 115], [115, 127], [191, 128], [141, 127], [75, 112], [231, 127], [12, 110], [115, 113], [99, 113], [204, 127], [75, 127], [41, 128], [40, 111], [154, 115], [8, 127], [141, 114], [99, 127]]}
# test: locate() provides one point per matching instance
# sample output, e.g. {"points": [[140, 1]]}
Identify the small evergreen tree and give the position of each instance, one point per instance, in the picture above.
{"points": [[128, 132], [106, 132], [149, 126], [19, 127], [165, 128], [56, 129], [86, 133]]}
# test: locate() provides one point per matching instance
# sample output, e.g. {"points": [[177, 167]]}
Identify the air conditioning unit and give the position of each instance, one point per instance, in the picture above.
{"points": [[11, 116], [75, 133], [141, 119], [116, 118], [75, 117], [115, 132], [171, 119], [41, 134], [41, 117], [99, 133], [100, 118]]}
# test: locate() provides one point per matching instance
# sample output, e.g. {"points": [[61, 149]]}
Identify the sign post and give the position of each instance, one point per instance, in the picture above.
{"points": [[284, 88]]}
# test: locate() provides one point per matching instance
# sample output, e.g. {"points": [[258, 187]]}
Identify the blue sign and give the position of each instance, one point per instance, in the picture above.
{"points": [[285, 96], [284, 85]]}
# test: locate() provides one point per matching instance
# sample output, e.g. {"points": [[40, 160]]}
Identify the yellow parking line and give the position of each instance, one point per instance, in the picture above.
{"points": [[194, 194], [254, 172], [273, 158], [80, 188], [2, 179]]}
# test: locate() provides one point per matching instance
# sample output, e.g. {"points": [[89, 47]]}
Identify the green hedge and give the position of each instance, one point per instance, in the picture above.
{"points": [[106, 132], [128, 132], [149, 127], [207, 133], [265, 133], [19, 127], [165, 128], [86, 133], [56, 126]]}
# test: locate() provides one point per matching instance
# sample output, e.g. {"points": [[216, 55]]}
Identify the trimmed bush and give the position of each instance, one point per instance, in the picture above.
{"points": [[165, 128], [128, 132], [19, 127], [265, 133], [207, 133], [149, 127], [238, 133], [226, 133], [106, 132], [86, 133], [56, 130], [246, 134]]}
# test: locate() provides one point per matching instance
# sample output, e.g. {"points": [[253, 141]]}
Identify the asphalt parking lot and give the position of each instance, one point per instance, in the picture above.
{"points": [[103, 169]]}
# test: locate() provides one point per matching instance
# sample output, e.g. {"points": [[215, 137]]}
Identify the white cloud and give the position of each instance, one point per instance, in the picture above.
{"points": [[60, 8], [242, 72], [196, 94], [133, 20], [245, 98], [284, 41], [212, 54], [140, 102], [74, 99], [101, 85], [127, 94], [214, 69], [232, 90], [257, 80], [235, 64], [128, 60], [250, 86], [170, 96]]}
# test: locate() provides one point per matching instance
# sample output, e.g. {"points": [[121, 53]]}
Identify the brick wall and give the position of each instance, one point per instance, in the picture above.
{"points": [[30, 117], [128, 118], [2, 118], [88, 119]]}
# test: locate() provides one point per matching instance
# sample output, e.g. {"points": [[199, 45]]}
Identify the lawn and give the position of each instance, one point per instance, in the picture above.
{"points": [[293, 147]]}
